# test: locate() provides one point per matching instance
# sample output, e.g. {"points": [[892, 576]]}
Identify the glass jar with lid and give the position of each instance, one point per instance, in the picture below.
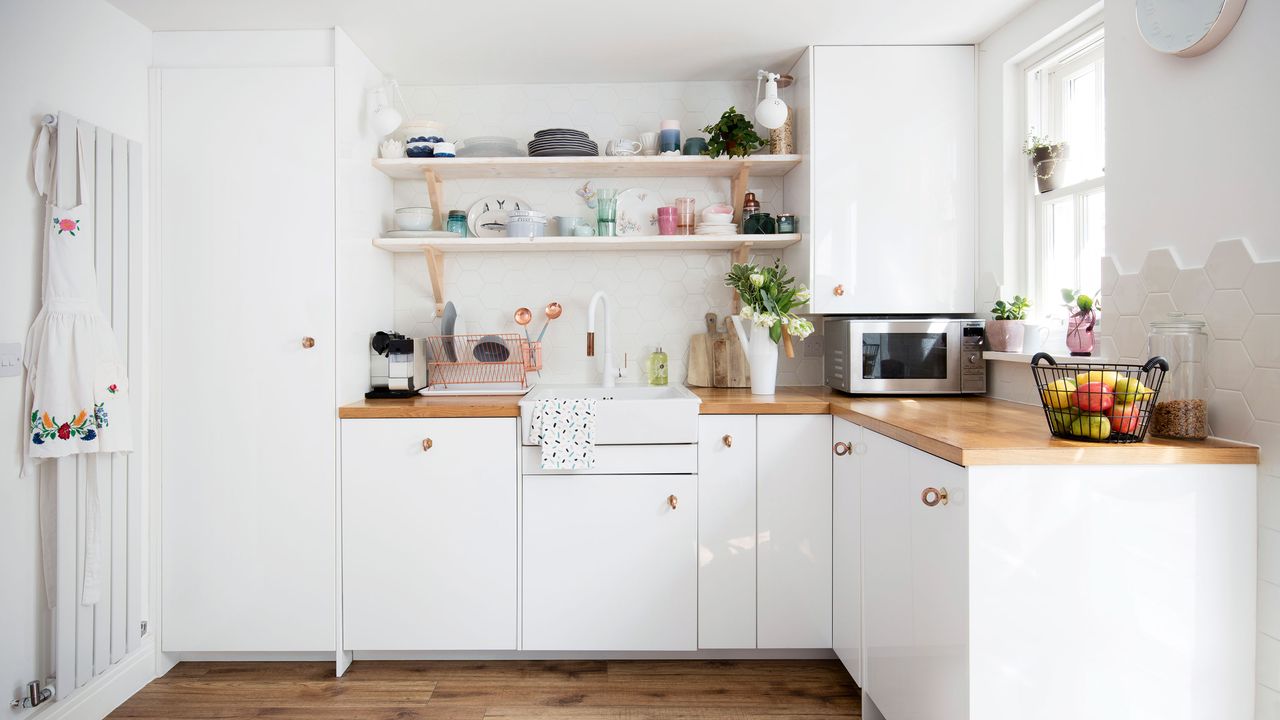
{"points": [[1182, 410], [457, 223]]}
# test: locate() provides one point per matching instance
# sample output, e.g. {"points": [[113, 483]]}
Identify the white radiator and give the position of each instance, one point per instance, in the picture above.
{"points": [[89, 639]]}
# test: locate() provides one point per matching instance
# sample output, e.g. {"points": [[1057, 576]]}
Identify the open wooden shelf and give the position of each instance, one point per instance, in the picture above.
{"points": [[433, 249], [590, 244], [586, 167]]}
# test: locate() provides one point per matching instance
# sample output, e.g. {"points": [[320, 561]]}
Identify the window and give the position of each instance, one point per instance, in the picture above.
{"points": [[1065, 91]]}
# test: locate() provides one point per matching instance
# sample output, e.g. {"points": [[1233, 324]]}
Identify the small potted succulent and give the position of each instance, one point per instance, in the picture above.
{"points": [[1085, 314], [734, 135], [1047, 158], [1006, 329]]}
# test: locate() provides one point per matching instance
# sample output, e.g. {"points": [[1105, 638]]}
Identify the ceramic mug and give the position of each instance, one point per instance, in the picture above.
{"points": [[695, 146], [568, 225], [622, 146], [649, 143], [584, 231]]}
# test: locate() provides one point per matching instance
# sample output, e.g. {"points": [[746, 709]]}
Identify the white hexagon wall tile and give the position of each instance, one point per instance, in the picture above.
{"points": [[1239, 298], [659, 298]]}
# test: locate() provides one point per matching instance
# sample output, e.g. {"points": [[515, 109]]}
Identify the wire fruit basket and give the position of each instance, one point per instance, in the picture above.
{"points": [[495, 358], [1098, 402]]}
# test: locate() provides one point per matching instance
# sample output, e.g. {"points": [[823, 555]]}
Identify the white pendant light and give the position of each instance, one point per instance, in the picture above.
{"points": [[385, 118], [771, 112]]}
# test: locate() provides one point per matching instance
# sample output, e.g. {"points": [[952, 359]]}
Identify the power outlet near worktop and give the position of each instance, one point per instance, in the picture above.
{"points": [[814, 346]]}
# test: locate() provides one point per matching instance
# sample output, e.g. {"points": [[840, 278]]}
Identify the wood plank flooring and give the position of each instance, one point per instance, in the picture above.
{"points": [[540, 690]]}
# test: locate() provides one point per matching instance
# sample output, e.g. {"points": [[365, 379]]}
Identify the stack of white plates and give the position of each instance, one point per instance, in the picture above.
{"points": [[716, 229], [490, 146], [560, 142]]}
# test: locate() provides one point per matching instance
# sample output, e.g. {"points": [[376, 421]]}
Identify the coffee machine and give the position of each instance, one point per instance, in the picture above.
{"points": [[397, 365]]}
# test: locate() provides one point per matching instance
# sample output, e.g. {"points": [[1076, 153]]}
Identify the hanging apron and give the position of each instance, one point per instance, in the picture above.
{"points": [[77, 385]]}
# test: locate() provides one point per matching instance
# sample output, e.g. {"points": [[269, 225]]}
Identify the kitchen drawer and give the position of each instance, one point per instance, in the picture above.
{"points": [[624, 460]]}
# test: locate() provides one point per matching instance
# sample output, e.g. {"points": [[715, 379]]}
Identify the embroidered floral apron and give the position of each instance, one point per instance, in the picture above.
{"points": [[79, 391]]}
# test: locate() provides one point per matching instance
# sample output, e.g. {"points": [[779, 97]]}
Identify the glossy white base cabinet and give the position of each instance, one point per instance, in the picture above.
{"points": [[1054, 592], [727, 531], [610, 562], [793, 525], [846, 545], [429, 534]]}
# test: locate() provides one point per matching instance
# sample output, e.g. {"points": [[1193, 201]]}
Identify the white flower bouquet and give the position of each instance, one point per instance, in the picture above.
{"points": [[768, 296]]}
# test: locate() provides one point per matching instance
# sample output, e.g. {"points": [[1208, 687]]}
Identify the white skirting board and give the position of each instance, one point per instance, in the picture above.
{"points": [[108, 690], [796, 654]]}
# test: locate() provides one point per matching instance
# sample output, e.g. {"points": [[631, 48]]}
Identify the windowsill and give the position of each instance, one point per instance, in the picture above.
{"points": [[1057, 357]]}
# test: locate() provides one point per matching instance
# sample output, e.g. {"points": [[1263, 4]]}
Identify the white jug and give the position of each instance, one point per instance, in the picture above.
{"points": [[762, 356]]}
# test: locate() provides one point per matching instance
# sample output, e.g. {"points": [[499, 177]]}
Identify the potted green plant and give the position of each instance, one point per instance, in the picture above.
{"points": [[1005, 329], [1085, 314], [1047, 158], [768, 297], [734, 135]]}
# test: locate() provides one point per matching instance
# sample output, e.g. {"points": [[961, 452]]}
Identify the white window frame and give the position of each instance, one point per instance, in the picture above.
{"points": [[1043, 76]]}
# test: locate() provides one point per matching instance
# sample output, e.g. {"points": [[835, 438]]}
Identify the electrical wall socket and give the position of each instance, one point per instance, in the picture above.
{"points": [[813, 346], [10, 359]]}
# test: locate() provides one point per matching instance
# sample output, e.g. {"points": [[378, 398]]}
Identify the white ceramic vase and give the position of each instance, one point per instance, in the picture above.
{"points": [[762, 356]]}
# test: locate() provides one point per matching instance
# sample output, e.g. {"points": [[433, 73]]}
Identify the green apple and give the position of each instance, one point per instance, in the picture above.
{"points": [[1130, 390], [1092, 426], [1061, 420]]}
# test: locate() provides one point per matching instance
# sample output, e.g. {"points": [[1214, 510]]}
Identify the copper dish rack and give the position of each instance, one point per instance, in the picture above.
{"points": [[489, 358]]}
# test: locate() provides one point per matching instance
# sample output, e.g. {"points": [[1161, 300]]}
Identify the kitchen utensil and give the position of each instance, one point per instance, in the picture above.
{"points": [[397, 365], [552, 311], [622, 147], [419, 149], [584, 231], [566, 225], [638, 212], [738, 370], [526, 224], [716, 358], [491, 349], [523, 317], [685, 211], [700, 355], [446, 329], [649, 143], [413, 218], [488, 216]]}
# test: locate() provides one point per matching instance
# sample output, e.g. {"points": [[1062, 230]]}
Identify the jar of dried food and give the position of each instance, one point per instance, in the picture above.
{"points": [[1182, 410]]}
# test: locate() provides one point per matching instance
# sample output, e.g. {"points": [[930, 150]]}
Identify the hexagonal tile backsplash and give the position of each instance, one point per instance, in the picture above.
{"points": [[658, 298]]}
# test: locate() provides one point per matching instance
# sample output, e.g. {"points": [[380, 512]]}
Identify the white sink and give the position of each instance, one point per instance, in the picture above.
{"points": [[627, 414]]}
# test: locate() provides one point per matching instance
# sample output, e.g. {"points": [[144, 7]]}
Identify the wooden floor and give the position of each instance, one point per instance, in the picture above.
{"points": [[575, 690]]}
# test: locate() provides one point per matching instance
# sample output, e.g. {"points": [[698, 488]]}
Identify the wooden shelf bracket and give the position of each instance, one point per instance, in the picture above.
{"points": [[435, 269], [435, 190]]}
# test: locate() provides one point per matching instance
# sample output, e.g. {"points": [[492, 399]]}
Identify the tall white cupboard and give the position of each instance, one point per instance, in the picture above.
{"points": [[886, 194]]}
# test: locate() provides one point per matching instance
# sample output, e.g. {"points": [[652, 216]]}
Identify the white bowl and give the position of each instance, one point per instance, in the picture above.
{"points": [[413, 218], [715, 218]]}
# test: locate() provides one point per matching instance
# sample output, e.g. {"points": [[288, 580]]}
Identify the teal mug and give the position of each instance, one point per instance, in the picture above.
{"points": [[695, 146]]}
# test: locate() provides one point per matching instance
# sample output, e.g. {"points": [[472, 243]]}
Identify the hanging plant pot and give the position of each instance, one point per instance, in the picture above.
{"points": [[1048, 162]]}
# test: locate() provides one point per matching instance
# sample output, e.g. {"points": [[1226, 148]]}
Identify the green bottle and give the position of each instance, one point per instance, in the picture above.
{"points": [[657, 368]]}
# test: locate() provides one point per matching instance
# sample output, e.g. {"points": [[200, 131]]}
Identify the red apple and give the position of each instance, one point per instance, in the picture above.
{"points": [[1094, 397], [1124, 419]]}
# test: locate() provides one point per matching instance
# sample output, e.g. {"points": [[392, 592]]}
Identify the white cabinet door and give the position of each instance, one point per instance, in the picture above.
{"points": [[429, 534], [846, 545], [915, 583], [793, 531], [894, 179], [610, 562], [246, 210], [727, 531]]}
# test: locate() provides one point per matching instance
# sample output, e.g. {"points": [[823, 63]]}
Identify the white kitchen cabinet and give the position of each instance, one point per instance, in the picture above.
{"points": [[610, 562], [887, 190], [429, 534], [793, 531], [846, 544], [247, 382], [727, 531]]}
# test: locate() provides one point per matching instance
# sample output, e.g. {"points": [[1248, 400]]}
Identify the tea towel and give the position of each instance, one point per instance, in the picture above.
{"points": [[566, 430]]}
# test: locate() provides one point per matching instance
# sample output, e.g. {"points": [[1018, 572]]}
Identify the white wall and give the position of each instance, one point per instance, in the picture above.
{"points": [[1191, 162], [86, 58], [660, 298], [1002, 244]]}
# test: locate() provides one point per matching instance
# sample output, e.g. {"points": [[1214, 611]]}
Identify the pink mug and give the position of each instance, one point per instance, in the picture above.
{"points": [[667, 220]]}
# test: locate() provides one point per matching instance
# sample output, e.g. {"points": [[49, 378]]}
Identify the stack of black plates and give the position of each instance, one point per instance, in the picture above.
{"points": [[558, 142]]}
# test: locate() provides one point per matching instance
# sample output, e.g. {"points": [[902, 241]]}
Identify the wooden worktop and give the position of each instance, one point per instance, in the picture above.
{"points": [[964, 430]]}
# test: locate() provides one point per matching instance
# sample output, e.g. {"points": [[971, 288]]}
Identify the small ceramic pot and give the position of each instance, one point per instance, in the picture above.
{"points": [[1006, 335]]}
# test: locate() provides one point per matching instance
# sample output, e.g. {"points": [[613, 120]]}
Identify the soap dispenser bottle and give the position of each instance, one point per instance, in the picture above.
{"points": [[657, 367]]}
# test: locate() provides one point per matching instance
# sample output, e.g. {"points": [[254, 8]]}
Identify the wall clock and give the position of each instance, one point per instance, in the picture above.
{"points": [[1186, 27]]}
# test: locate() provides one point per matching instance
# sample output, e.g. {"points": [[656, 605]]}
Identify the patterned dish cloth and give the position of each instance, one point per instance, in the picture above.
{"points": [[566, 429]]}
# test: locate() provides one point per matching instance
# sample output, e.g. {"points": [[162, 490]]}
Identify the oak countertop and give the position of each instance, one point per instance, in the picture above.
{"points": [[964, 430]]}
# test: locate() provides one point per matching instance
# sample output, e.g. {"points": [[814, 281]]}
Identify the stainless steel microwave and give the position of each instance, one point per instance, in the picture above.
{"points": [[933, 356]]}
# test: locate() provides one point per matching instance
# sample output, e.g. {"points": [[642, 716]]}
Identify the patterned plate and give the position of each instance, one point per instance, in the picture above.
{"points": [[638, 212]]}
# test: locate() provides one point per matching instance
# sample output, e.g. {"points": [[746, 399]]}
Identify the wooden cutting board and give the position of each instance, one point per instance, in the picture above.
{"points": [[716, 358], [700, 355]]}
